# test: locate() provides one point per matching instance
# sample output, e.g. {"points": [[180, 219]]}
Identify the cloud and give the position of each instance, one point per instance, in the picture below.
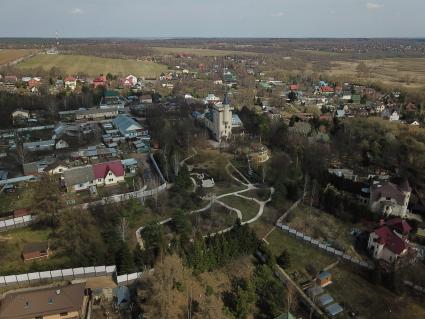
{"points": [[76, 11], [373, 6], [277, 14]]}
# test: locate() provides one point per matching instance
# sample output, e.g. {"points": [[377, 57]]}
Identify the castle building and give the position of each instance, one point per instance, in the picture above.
{"points": [[219, 120], [390, 199]]}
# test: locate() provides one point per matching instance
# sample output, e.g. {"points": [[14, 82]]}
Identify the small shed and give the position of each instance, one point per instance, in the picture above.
{"points": [[324, 279], [334, 310], [35, 251], [325, 300], [121, 296]]}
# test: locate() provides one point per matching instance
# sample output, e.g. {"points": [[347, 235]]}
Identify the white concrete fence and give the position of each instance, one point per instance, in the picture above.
{"points": [[129, 278], [71, 274], [57, 275], [16, 222], [412, 285], [324, 247], [124, 197]]}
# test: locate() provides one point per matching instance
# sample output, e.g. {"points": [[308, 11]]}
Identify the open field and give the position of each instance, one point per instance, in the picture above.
{"points": [[401, 72], [325, 227], [199, 52], [93, 66], [350, 288], [10, 55], [12, 243]]}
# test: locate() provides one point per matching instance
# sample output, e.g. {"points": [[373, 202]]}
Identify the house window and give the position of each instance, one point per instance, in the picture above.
{"points": [[81, 185], [50, 301], [62, 314], [111, 180], [99, 180], [27, 304], [388, 198], [109, 173]]}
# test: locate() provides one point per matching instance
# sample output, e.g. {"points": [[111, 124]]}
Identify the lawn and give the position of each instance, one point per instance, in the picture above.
{"points": [[323, 226], [22, 198], [248, 208], [199, 51], [12, 243], [10, 55], [93, 66], [350, 287]]}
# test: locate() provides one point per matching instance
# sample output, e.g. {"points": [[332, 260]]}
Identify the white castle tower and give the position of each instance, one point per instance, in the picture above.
{"points": [[222, 119]]}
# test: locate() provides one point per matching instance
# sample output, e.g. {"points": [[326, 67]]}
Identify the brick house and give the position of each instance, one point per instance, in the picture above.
{"points": [[35, 251]]}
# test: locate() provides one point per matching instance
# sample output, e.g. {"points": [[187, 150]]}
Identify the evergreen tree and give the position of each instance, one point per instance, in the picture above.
{"points": [[125, 261]]}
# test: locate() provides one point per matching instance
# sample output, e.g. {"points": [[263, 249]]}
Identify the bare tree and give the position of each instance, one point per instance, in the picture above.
{"points": [[123, 228]]}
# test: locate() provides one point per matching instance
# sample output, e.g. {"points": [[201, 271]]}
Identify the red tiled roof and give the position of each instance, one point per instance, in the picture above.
{"points": [[21, 212], [327, 88], [400, 225], [101, 170], [70, 79], [101, 78], [390, 240]]}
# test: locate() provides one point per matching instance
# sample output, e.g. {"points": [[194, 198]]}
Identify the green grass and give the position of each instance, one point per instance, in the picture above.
{"points": [[12, 243], [93, 66], [248, 208], [22, 198], [323, 226], [300, 253], [225, 187], [351, 288]]}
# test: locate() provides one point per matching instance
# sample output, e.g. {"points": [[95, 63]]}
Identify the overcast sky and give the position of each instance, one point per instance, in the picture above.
{"points": [[212, 18]]}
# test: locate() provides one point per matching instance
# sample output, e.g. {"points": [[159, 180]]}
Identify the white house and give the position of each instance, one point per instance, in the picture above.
{"points": [[70, 83], [394, 116], [131, 79], [102, 174], [211, 99], [61, 144], [389, 242], [109, 173], [56, 168], [78, 178]]}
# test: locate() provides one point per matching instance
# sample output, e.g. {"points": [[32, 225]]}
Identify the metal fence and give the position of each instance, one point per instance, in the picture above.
{"points": [[324, 247], [57, 275], [17, 222]]}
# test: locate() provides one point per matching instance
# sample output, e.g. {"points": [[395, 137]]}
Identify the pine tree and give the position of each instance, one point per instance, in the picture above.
{"points": [[125, 260]]}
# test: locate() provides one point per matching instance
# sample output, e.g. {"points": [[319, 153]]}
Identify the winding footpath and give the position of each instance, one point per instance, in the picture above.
{"points": [[216, 200]]}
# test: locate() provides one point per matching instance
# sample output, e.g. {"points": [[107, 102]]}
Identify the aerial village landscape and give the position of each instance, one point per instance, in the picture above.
{"points": [[212, 178]]}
